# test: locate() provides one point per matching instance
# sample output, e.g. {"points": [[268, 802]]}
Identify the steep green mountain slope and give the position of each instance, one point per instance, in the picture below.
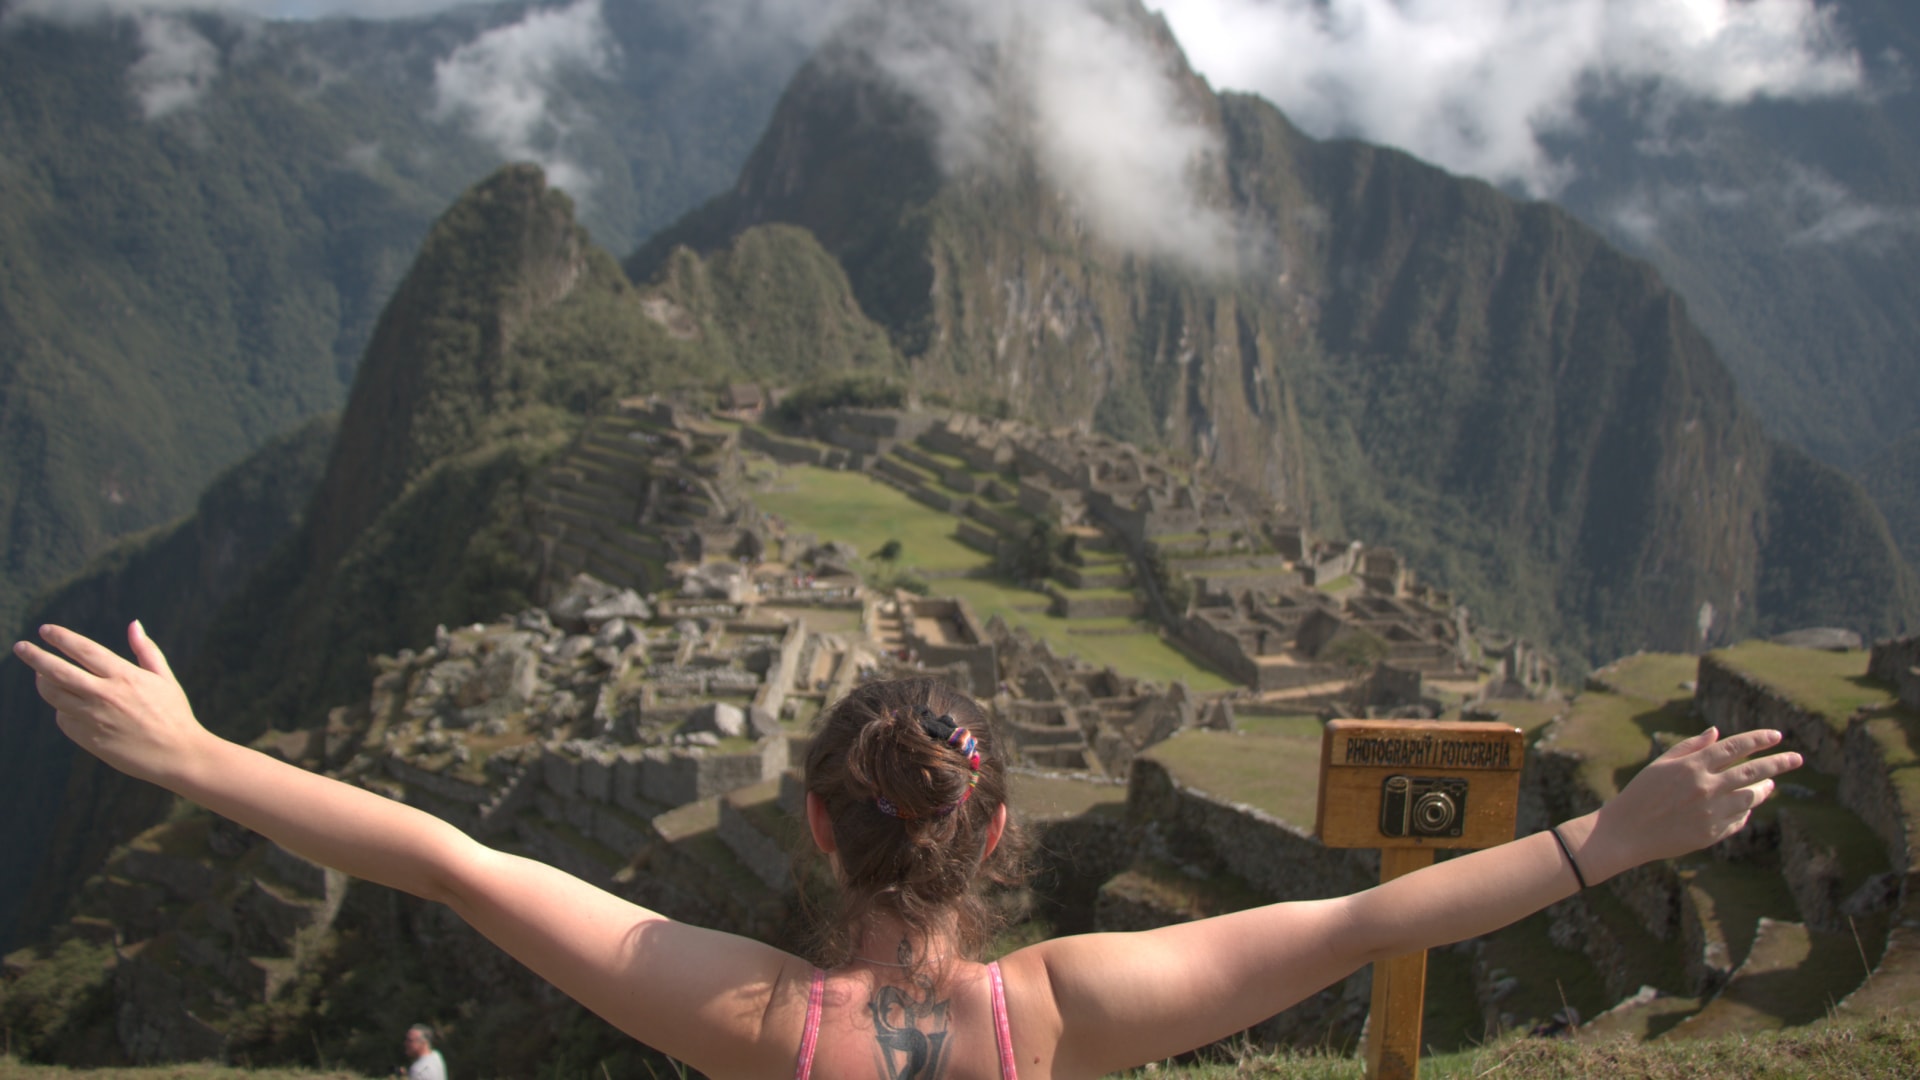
{"points": [[172, 578], [1893, 479], [1481, 382], [1793, 230], [508, 330], [176, 290]]}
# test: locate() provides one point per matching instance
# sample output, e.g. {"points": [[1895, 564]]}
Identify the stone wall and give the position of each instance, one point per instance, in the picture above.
{"points": [[1704, 941], [1813, 873], [632, 777], [1731, 701], [1897, 663], [1281, 860], [758, 852], [778, 683], [791, 451], [1867, 786], [1551, 791], [1272, 857], [1072, 606]]}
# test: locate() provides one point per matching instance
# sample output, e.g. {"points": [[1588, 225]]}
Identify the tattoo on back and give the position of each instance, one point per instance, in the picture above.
{"points": [[912, 1034]]}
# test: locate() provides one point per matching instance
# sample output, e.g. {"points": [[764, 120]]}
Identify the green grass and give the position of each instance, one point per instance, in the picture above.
{"points": [[1884, 1048], [1291, 725], [1898, 738], [1738, 896], [1528, 716], [1549, 977], [859, 510], [1275, 773], [1656, 677], [1058, 796], [1141, 654], [1834, 684], [1613, 731], [1097, 593]]}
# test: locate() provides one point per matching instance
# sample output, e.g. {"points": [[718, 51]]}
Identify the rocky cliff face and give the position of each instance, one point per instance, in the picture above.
{"points": [[60, 805], [1483, 383]]}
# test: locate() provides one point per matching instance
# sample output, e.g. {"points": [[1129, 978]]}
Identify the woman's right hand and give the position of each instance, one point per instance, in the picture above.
{"points": [[133, 717], [1698, 793]]}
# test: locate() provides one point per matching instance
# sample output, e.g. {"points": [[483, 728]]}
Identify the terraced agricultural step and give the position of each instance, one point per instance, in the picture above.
{"points": [[701, 870], [1894, 986], [1792, 976], [1646, 1015], [614, 458], [760, 832]]}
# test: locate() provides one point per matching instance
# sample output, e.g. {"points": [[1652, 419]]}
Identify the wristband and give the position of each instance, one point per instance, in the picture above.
{"points": [[1568, 852]]}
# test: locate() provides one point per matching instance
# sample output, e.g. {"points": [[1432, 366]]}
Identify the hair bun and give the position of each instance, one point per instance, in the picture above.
{"points": [[911, 765]]}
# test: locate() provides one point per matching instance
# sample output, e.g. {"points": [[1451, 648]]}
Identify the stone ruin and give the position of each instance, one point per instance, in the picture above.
{"points": [[1267, 603], [647, 484]]}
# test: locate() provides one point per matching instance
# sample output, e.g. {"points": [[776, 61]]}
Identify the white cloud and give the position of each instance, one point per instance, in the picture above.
{"points": [[80, 10], [1108, 125], [1813, 207], [1474, 85], [1835, 215], [176, 66], [502, 86]]}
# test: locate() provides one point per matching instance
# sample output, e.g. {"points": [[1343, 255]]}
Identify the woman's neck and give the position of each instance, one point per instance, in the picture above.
{"points": [[888, 942]]}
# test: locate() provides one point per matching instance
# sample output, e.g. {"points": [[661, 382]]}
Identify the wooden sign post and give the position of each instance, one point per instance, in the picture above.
{"points": [[1410, 788]]}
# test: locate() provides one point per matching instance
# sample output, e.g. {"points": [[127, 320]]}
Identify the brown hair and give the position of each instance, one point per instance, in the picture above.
{"points": [[924, 865]]}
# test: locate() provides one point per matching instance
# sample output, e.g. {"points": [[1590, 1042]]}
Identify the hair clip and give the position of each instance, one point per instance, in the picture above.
{"points": [[941, 728]]}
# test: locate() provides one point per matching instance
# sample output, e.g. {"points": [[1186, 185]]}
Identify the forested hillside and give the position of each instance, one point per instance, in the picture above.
{"points": [[509, 329], [186, 277], [1793, 230]]}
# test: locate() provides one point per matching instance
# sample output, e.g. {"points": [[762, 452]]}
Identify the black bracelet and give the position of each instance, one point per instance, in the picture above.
{"points": [[1568, 852]]}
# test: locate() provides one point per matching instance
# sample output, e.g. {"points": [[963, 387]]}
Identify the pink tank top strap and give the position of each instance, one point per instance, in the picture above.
{"points": [[810, 1037], [1002, 1031]]}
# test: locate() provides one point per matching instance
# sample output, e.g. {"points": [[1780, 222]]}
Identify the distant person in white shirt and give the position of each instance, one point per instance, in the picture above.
{"points": [[427, 1062]]}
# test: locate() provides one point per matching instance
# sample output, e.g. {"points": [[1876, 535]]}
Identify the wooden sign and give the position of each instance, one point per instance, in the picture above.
{"points": [[1409, 788], [1418, 783]]}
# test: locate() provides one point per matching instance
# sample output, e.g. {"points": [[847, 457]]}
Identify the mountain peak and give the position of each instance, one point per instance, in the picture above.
{"points": [[438, 362]]}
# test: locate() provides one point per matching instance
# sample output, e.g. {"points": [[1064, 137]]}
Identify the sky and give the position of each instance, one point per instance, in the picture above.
{"points": [[1480, 87]]}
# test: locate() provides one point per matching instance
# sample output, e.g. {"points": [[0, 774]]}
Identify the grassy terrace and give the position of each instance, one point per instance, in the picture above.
{"points": [[1613, 730], [861, 511], [853, 508], [1834, 684], [1279, 774], [1036, 796]]}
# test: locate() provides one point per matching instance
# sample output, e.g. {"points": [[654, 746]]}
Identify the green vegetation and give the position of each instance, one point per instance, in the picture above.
{"points": [[851, 391], [861, 511], [1279, 774], [1833, 684], [1892, 479], [1612, 731], [60, 1004], [180, 289], [1828, 558]]}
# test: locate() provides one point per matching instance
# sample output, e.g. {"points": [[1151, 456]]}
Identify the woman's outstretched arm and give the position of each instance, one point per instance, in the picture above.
{"points": [[1125, 999], [697, 994]]}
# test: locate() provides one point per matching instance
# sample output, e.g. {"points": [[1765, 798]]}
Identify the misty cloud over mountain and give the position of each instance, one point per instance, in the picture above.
{"points": [[1473, 85], [502, 86]]}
